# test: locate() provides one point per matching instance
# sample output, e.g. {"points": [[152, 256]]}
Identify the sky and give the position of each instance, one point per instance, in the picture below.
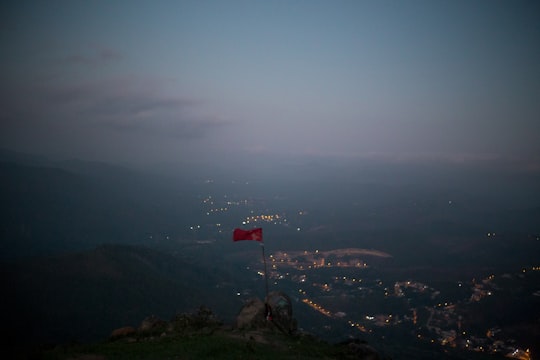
{"points": [[165, 81]]}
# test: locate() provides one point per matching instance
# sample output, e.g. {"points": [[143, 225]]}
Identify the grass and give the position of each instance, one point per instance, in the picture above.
{"points": [[221, 345]]}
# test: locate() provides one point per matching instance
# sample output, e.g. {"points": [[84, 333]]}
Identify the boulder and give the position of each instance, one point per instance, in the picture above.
{"points": [[151, 324], [252, 315], [123, 332], [280, 312], [275, 314], [359, 349], [203, 321]]}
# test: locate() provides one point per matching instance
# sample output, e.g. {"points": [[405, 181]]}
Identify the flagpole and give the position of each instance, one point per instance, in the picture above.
{"points": [[255, 234], [268, 314], [265, 270]]}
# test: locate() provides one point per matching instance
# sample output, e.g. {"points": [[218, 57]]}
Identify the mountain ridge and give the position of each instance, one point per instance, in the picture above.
{"points": [[83, 295]]}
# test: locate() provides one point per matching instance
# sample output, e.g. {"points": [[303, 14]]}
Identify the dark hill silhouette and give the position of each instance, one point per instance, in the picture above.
{"points": [[46, 210], [83, 296]]}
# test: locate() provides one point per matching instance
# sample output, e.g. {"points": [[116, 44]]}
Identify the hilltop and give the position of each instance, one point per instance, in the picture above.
{"points": [[202, 336]]}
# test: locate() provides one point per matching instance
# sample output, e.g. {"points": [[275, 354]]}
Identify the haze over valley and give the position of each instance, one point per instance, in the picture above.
{"points": [[378, 251]]}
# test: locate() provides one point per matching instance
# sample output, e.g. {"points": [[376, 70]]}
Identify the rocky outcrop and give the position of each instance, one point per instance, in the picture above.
{"points": [[203, 321], [123, 332], [259, 325], [275, 313], [280, 312], [152, 324], [252, 315], [360, 350]]}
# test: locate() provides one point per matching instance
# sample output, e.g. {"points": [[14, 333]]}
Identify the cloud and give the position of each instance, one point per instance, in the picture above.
{"points": [[111, 118], [122, 105], [151, 114], [93, 55]]}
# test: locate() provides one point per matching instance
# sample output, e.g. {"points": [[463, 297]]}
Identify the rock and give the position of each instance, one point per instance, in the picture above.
{"points": [[276, 314], [361, 350], [152, 323], [87, 357], [204, 320], [252, 315], [281, 311], [206, 317], [123, 332]]}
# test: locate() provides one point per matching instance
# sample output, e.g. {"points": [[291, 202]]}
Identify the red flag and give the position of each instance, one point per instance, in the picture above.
{"points": [[254, 234]]}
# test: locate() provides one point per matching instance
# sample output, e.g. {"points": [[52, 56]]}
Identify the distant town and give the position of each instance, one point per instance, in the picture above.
{"points": [[441, 318]]}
